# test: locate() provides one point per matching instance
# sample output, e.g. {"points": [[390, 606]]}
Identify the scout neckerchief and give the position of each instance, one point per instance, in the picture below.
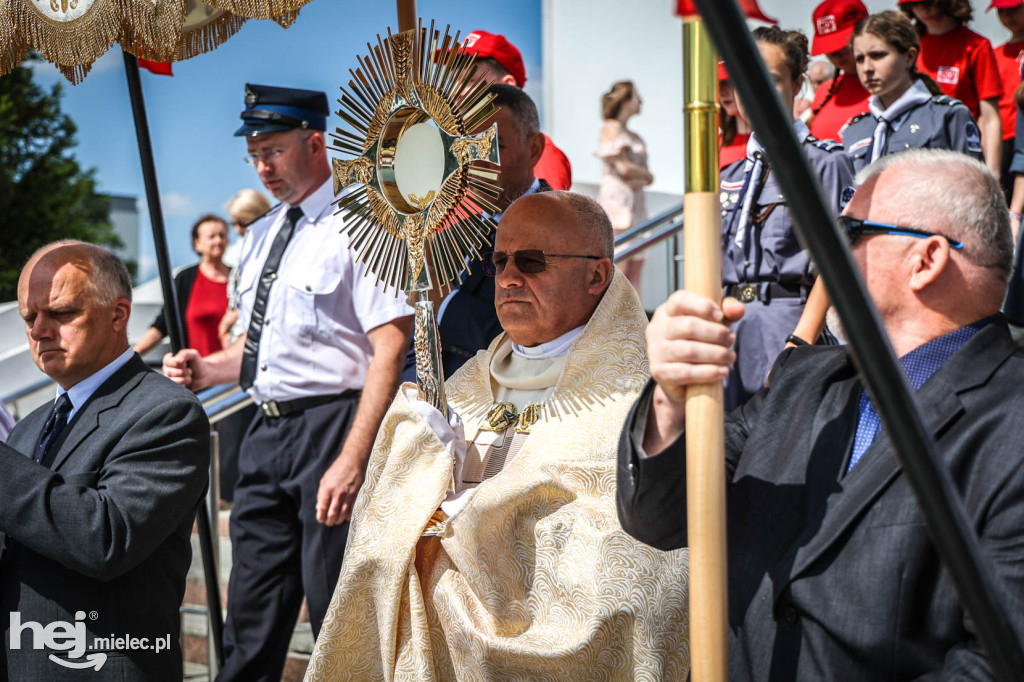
{"points": [[891, 118]]}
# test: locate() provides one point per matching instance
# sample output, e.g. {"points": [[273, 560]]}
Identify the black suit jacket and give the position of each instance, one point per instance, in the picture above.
{"points": [[832, 576], [105, 532]]}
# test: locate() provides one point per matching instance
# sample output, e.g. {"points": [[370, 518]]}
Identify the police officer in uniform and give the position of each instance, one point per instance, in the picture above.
{"points": [[763, 264], [907, 110], [321, 357]]}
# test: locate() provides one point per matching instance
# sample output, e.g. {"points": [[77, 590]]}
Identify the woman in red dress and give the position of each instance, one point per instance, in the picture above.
{"points": [[202, 291]]}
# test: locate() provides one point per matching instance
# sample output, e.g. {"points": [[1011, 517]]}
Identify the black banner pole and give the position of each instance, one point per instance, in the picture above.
{"points": [[174, 329]]}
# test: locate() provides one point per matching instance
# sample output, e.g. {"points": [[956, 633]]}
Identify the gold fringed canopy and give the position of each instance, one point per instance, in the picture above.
{"points": [[72, 34]]}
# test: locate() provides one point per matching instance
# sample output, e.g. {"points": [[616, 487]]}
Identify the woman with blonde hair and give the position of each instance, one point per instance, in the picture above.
{"points": [[244, 208], [624, 156]]}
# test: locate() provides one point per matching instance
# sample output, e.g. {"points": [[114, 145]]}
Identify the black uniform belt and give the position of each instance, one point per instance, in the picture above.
{"points": [[279, 408], [748, 292]]}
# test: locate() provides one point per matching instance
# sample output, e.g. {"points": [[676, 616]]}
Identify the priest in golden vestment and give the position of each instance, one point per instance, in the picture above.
{"points": [[486, 546]]}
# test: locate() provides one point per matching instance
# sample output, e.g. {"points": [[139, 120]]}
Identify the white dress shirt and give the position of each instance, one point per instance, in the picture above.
{"points": [[313, 340]]}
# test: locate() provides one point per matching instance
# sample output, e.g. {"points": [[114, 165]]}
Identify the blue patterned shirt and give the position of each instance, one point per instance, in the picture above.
{"points": [[919, 365]]}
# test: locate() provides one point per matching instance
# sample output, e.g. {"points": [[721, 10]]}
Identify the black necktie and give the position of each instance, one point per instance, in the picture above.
{"points": [[259, 306], [53, 428]]}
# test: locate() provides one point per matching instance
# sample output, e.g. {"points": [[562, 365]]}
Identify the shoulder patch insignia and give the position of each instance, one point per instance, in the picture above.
{"points": [[973, 135], [827, 145], [946, 99], [845, 197]]}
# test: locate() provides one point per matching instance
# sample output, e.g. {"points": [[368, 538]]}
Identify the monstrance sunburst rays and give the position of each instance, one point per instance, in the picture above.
{"points": [[399, 84], [420, 189]]}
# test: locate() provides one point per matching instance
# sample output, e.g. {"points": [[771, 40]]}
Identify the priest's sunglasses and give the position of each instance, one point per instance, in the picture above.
{"points": [[528, 261], [854, 228]]}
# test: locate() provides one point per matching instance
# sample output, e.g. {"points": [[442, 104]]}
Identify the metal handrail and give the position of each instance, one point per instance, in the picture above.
{"points": [[647, 234], [26, 390], [222, 401], [648, 225], [654, 233]]}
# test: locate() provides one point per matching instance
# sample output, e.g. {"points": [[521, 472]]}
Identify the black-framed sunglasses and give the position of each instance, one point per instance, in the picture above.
{"points": [[528, 261], [854, 227]]}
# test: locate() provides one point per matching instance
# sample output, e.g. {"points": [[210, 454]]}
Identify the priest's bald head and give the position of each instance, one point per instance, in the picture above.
{"points": [[552, 262]]}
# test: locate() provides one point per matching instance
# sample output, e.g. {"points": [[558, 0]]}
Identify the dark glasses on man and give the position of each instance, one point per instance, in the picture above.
{"points": [[855, 228], [528, 261]]}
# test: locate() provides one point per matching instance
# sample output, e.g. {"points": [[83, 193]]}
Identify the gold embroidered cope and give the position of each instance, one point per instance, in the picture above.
{"points": [[534, 578]]}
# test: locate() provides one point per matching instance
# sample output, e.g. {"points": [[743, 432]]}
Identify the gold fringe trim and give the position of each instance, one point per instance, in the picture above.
{"points": [[73, 46], [278, 10], [152, 30]]}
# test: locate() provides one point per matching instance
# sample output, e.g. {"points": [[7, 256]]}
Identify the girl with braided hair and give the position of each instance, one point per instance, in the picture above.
{"points": [[841, 98]]}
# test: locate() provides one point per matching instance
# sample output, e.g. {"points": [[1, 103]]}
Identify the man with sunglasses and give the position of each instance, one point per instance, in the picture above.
{"points": [[321, 357], [831, 572], [523, 572]]}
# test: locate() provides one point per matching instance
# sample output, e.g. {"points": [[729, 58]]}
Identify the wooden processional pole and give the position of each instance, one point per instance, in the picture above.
{"points": [[705, 436]]}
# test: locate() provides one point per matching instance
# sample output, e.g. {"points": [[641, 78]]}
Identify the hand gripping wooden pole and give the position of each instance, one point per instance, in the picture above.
{"points": [[705, 447]]}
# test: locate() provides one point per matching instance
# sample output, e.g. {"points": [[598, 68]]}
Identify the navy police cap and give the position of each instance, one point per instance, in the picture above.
{"points": [[272, 110]]}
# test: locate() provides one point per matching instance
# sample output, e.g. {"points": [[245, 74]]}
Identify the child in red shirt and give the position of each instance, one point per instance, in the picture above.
{"points": [[1008, 61], [838, 100], [962, 63]]}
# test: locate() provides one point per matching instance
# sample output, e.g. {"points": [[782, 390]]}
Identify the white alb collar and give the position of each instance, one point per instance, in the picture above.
{"points": [[555, 348]]}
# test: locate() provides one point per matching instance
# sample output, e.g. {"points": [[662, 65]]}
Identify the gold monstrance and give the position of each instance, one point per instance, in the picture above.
{"points": [[424, 195]]}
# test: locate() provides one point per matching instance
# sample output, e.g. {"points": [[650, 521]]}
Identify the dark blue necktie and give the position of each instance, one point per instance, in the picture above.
{"points": [[259, 306], [867, 429], [53, 428]]}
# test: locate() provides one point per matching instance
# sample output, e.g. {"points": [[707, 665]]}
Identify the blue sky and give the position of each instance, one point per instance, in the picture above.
{"points": [[193, 114]]}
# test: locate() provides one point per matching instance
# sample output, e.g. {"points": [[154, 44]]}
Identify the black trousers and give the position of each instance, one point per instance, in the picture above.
{"points": [[279, 550]]}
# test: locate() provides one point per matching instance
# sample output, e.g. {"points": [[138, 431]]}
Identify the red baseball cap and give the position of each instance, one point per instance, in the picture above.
{"points": [[497, 47], [1004, 4], [723, 75], [833, 24]]}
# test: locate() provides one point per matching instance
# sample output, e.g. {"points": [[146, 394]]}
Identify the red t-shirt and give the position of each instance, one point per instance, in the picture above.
{"points": [[848, 100], [206, 306], [1008, 60], [964, 66], [729, 154], [554, 167]]}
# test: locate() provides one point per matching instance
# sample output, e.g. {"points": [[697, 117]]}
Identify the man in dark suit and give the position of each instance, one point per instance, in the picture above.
{"points": [[466, 319], [100, 487], [831, 572]]}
